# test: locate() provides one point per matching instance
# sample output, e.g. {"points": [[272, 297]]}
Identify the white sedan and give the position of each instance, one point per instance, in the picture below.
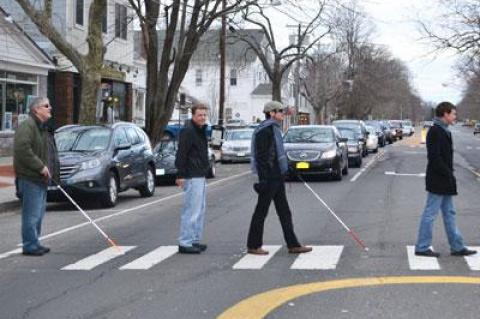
{"points": [[372, 139]]}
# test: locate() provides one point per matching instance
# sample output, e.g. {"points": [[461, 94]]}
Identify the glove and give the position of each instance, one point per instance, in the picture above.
{"points": [[260, 187]]}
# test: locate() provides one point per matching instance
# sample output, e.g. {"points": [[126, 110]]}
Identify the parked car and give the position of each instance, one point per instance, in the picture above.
{"points": [[372, 139], [427, 124], [476, 129], [396, 129], [316, 149], [408, 129], [359, 128], [380, 131], [165, 153], [237, 144], [98, 162], [354, 146]]}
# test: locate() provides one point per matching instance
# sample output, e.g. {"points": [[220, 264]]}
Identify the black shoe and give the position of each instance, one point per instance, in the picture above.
{"points": [[189, 250], [37, 252], [463, 252], [427, 253], [202, 247], [45, 249]]}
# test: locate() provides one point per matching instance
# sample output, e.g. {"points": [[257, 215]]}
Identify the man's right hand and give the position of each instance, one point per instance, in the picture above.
{"points": [[45, 172], [180, 182]]}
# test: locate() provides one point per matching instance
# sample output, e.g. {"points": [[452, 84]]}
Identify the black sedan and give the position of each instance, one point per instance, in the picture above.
{"points": [[316, 149], [165, 153], [355, 145]]}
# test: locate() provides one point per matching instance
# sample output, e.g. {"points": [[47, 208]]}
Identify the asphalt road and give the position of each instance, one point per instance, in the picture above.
{"points": [[381, 202]]}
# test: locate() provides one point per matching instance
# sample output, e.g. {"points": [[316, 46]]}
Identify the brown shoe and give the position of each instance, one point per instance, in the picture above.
{"points": [[299, 250], [258, 251]]}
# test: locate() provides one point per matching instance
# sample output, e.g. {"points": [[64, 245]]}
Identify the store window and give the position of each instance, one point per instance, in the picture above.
{"points": [[121, 21], [79, 12]]}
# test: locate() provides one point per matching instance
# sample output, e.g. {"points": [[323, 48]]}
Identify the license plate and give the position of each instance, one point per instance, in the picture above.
{"points": [[241, 154], [303, 165], [160, 172]]}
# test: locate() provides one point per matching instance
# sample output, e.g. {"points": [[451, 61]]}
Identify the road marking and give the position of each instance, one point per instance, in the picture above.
{"points": [[321, 257], [356, 176], [420, 262], [152, 258], [93, 261], [405, 174], [469, 147], [261, 305], [122, 212], [473, 261], [250, 261]]}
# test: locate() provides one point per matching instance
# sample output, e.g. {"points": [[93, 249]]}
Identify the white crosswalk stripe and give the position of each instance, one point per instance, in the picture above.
{"points": [[104, 256], [473, 261], [152, 258], [321, 257], [420, 262], [250, 261]]}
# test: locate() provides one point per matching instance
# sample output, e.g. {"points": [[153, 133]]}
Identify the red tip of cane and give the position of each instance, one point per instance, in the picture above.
{"points": [[114, 245]]}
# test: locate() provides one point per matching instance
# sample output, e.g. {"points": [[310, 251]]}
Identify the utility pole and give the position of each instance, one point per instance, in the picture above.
{"points": [[222, 64]]}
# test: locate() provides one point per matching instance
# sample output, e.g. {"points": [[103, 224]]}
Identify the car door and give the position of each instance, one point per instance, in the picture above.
{"points": [[121, 157], [136, 157], [342, 146]]}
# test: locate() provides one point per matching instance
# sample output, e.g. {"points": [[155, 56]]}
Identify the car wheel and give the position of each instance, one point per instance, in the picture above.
{"points": [[375, 150], [109, 199], [148, 189], [337, 175], [212, 171], [345, 169]]}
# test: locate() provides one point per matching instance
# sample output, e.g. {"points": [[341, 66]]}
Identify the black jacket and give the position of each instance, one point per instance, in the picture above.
{"points": [[440, 179], [192, 155], [266, 156]]}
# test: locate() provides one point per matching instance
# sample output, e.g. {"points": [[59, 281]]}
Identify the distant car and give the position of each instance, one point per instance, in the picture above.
{"points": [[476, 129], [237, 144], [97, 162], [380, 131], [316, 150], [165, 153], [354, 146], [408, 129], [360, 129], [427, 124], [372, 139], [396, 129]]}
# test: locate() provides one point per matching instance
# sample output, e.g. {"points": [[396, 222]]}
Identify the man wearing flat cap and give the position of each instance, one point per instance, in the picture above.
{"points": [[269, 161]]}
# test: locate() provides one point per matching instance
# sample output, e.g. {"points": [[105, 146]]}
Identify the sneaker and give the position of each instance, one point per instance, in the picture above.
{"points": [[427, 253], [257, 251], [46, 250], [463, 252], [299, 250], [188, 250], [37, 252], [202, 247]]}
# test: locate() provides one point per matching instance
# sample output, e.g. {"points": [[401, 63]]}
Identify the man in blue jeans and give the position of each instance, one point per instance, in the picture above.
{"points": [[192, 165], [441, 186], [31, 159]]}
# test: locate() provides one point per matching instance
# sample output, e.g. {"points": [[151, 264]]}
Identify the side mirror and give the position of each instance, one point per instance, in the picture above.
{"points": [[343, 140], [124, 146], [361, 139]]}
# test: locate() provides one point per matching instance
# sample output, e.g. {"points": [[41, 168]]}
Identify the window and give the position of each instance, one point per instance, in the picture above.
{"points": [[233, 77], [120, 21], [228, 113], [133, 136], [198, 77], [105, 20], [120, 138], [79, 12]]}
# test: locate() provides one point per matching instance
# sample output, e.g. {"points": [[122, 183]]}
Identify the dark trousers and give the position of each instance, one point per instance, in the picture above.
{"points": [[272, 190]]}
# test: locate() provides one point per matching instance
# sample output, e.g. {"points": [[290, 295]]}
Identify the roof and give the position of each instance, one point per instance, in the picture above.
{"points": [[263, 89]]}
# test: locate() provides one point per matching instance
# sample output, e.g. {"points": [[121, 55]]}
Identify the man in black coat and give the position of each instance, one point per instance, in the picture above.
{"points": [[269, 161], [441, 186]]}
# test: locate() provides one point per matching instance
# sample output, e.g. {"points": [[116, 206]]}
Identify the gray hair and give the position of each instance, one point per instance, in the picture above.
{"points": [[38, 101]]}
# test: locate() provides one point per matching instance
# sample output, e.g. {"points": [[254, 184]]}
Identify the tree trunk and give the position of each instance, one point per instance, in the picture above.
{"points": [[90, 83]]}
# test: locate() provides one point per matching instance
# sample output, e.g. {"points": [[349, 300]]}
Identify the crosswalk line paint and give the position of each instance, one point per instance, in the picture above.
{"points": [[321, 257], [152, 258], [250, 261], [93, 261], [473, 261], [420, 262]]}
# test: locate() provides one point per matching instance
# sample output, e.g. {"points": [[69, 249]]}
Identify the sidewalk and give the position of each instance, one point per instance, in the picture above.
{"points": [[8, 200]]}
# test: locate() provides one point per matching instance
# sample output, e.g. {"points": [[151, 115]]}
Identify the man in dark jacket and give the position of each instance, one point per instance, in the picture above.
{"points": [[31, 162], [192, 165], [269, 161], [441, 186]]}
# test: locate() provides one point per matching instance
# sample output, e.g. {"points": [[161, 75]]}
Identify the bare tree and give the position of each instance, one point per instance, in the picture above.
{"points": [[168, 56], [88, 65], [275, 59]]}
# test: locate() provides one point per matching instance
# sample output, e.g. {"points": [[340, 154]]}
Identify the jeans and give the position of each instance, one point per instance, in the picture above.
{"points": [[193, 212], [34, 203], [434, 204], [271, 190]]}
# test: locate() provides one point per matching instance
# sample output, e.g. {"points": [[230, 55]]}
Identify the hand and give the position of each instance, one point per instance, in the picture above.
{"points": [[45, 172], [180, 182]]}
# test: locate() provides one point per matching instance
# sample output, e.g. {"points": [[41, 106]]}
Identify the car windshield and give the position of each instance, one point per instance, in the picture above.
{"points": [[350, 134], [371, 129], [352, 127], [407, 123], [309, 135], [84, 140], [240, 135]]}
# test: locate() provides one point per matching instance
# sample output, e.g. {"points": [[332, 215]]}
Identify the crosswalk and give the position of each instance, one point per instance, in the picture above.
{"points": [[322, 257]]}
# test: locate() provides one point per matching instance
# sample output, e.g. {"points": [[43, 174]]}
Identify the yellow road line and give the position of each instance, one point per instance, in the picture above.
{"points": [[260, 305]]}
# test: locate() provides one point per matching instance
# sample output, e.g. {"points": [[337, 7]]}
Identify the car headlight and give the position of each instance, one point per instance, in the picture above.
{"points": [[90, 164], [329, 154]]}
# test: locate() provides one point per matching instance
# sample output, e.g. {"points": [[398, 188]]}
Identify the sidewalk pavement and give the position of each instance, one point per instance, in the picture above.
{"points": [[8, 200]]}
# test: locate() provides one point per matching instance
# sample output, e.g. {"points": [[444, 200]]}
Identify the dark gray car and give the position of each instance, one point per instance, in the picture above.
{"points": [[98, 162]]}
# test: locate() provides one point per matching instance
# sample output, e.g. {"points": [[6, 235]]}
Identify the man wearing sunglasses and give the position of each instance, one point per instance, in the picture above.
{"points": [[31, 161], [269, 161]]}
